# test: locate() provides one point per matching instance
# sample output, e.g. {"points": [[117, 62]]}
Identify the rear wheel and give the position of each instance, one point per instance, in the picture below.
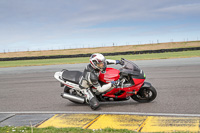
{"points": [[146, 94]]}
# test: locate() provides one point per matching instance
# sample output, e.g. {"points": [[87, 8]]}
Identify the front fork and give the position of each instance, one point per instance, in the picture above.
{"points": [[146, 84]]}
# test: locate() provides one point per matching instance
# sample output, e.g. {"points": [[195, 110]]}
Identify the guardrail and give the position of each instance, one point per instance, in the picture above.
{"points": [[105, 54]]}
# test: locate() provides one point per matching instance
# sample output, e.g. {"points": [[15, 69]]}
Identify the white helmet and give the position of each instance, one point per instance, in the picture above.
{"points": [[98, 61]]}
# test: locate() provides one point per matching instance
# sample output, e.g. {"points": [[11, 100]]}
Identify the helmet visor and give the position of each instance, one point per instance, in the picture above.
{"points": [[101, 65]]}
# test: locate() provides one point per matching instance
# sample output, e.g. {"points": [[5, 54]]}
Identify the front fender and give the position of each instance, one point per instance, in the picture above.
{"points": [[146, 85]]}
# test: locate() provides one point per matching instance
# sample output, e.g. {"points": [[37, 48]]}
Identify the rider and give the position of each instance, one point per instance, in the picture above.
{"points": [[91, 75]]}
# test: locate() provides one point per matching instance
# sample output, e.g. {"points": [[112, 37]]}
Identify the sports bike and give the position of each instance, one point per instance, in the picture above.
{"points": [[131, 85]]}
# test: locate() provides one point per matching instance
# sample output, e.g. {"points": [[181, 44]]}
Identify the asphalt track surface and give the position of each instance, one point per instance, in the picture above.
{"points": [[34, 89]]}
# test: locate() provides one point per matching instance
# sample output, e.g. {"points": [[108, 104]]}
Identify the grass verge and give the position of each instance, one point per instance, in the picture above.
{"points": [[59, 130], [113, 49], [41, 62]]}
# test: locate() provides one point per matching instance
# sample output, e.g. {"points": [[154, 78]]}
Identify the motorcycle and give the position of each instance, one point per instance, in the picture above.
{"points": [[132, 85]]}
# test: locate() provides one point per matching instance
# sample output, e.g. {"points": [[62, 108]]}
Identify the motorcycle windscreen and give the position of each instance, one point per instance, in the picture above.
{"points": [[110, 74]]}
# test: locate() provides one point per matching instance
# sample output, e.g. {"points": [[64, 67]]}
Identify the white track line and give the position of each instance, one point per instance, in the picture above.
{"points": [[117, 113]]}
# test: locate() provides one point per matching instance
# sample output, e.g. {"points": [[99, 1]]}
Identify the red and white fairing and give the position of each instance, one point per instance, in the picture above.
{"points": [[112, 74]]}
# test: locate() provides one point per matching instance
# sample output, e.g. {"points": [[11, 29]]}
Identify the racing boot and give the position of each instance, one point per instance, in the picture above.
{"points": [[94, 103]]}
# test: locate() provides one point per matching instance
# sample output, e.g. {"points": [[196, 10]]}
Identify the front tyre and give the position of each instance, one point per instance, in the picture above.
{"points": [[145, 95]]}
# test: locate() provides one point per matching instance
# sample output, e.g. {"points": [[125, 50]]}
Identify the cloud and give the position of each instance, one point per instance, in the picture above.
{"points": [[183, 10], [49, 21]]}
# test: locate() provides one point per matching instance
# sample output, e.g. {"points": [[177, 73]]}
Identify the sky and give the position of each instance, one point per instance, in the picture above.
{"points": [[27, 25]]}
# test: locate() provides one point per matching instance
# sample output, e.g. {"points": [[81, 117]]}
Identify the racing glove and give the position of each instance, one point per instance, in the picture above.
{"points": [[119, 62], [115, 83]]}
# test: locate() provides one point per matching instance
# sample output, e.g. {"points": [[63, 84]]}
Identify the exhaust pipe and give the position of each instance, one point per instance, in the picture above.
{"points": [[73, 98]]}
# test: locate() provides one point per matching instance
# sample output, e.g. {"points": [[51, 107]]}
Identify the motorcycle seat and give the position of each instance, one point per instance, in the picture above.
{"points": [[72, 76]]}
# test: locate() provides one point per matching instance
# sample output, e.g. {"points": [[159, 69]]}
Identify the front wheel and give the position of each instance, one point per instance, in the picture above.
{"points": [[146, 94]]}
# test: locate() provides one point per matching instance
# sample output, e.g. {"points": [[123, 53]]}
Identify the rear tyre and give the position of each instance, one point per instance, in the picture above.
{"points": [[145, 95]]}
